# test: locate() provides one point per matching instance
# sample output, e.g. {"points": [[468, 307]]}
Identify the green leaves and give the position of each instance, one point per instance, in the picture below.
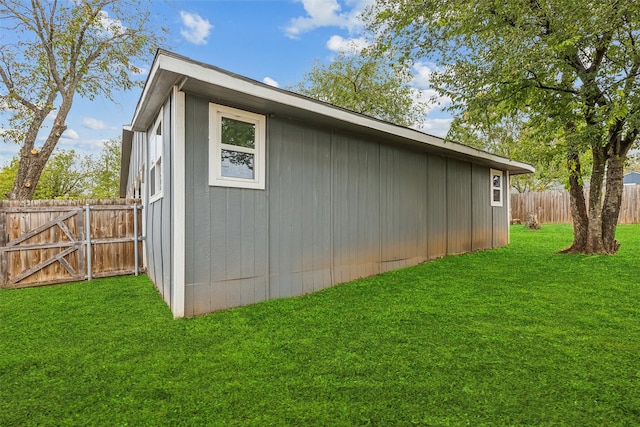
{"points": [[70, 175], [85, 47], [528, 56], [566, 69], [367, 84]]}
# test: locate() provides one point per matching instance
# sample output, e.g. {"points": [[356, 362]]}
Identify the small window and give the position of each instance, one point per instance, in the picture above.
{"points": [[155, 160], [496, 187], [236, 148]]}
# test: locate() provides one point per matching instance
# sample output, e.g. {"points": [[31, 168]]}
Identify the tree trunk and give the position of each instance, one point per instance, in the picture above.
{"points": [[30, 168], [33, 161], [595, 243], [612, 203], [31, 165], [619, 146], [578, 206], [594, 227]]}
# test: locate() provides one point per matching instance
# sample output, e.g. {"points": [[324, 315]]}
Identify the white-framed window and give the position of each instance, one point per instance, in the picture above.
{"points": [[237, 141], [155, 160], [497, 187]]}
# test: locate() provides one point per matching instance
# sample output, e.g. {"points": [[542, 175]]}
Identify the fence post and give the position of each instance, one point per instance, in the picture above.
{"points": [[81, 236], [4, 263], [135, 237], [87, 222]]}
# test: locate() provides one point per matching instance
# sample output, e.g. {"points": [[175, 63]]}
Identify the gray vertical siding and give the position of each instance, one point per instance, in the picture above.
{"points": [[336, 207], [226, 230], [158, 218], [501, 218], [198, 226], [436, 206], [356, 208], [404, 208], [299, 188], [136, 160], [459, 211], [482, 216]]}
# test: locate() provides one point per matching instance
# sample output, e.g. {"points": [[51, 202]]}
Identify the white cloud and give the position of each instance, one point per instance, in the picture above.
{"points": [[423, 72], [196, 29], [326, 13], [94, 124], [422, 82], [436, 127], [70, 134], [111, 26], [270, 82], [82, 146], [352, 45]]}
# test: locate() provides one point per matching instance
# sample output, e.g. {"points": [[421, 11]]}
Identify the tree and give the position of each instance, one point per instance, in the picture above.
{"points": [[511, 137], [104, 177], [570, 66], [63, 48], [69, 175], [7, 178], [65, 176], [366, 84], [633, 163]]}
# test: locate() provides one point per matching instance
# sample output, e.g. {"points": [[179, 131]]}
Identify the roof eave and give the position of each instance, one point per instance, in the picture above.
{"points": [[125, 159], [169, 69]]}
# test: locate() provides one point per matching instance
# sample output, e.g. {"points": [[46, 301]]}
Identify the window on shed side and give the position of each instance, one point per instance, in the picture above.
{"points": [[236, 148], [155, 160], [497, 187]]}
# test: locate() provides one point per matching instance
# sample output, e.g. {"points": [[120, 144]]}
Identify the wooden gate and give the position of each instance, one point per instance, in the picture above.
{"points": [[47, 242]]}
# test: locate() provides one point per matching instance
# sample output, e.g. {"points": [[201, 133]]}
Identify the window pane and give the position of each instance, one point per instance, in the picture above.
{"points": [[235, 132], [496, 195], [496, 181], [237, 165], [152, 178], [158, 175]]}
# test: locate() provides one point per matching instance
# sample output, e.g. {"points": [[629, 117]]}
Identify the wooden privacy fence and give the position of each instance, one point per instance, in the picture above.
{"points": [[554, 207], [44, 242]]}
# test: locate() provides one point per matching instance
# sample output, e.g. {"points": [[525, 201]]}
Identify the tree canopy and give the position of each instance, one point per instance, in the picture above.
{"points": [[52, 50], [367, 84], [569, 68], [70, 175], [511, 138]]}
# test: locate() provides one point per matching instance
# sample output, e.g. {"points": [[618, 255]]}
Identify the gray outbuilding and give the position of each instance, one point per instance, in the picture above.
{"points": [[251, 192], [631, 178]]}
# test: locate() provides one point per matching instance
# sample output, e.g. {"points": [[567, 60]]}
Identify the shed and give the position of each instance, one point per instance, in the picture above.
{"points": [[631, 178], [251, 192]]}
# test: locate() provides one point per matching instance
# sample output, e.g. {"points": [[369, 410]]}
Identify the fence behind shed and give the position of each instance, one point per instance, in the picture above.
{"points": [[54, 241], [554, 206]]}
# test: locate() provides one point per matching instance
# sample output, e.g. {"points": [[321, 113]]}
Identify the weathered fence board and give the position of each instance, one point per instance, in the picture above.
{"points": [[554, 206], [45, 241]]}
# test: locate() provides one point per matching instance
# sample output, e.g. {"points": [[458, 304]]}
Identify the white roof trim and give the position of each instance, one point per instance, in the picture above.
{"points": [[208, 74]]}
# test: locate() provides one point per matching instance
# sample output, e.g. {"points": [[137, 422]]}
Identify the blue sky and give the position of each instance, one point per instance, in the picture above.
{"points": [[273, 41]]}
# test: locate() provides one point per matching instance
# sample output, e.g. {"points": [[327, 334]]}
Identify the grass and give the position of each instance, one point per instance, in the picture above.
{"points": [[514, 336]]}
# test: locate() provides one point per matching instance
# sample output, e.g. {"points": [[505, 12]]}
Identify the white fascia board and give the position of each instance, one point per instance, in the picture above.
{"points": [[144, 97], [216, 77]]}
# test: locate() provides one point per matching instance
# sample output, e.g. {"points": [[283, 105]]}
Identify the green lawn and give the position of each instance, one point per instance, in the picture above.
{"points": [[514, 336]]}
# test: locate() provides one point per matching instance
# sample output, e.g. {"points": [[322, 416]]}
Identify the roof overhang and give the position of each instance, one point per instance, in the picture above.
{"points": [[125, 158], [223, 87]]}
